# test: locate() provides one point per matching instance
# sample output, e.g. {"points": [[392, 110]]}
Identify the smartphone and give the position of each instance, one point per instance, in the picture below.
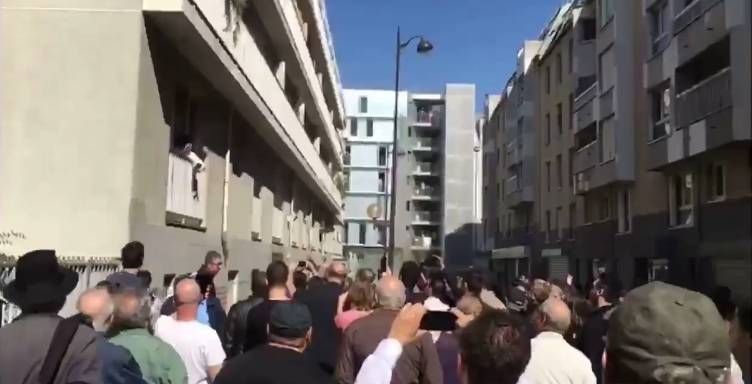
{"points": [[302, 264], [438, 321]]}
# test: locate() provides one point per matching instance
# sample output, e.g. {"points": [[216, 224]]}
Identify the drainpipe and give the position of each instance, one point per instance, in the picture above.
{"points": [[226, 188]]}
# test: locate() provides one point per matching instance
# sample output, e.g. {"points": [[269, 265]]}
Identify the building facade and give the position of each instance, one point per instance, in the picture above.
{"points": [[368, 164], [641, 152], [438, 175], [199, 130]]}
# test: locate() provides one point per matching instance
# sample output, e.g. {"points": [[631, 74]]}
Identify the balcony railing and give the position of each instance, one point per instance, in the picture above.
{"points": [[512, 184], [426, 168], [425, 117], [513, 153], [425, 217], [691, 13], [425, 143], [703, 99], [186, 192], [426, 191], [425, 241], [585, 95]]}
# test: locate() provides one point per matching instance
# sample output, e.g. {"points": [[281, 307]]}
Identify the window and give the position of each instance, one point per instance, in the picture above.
{"points": [[559, 121], [509, 225], [500, 226], [559, 229], [346, 158], [369, 127], [548, 129], [363, 104], [607, 139], [660, 109], [606, 68], [409, 131], [353, 127], [680, 198], [570, 55], [572, 219], [548, 80], [382, 156], [503, 190], [382, 181], [716, 179], [624, 210], [588, 29], [659, 25], [607, 11], [559, 176], [587, 209], [498, 190], [407, 205], [603, 208], [570, 169], [548, 176], [548, 226], [571, 110], [559, 69], [362, 233]]}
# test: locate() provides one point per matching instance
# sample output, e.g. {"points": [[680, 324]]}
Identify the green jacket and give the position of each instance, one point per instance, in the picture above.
{"points": [[159, 362]]}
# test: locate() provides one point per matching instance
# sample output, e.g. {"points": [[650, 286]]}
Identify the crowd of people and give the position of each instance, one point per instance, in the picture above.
{"points": [[308, 323]]}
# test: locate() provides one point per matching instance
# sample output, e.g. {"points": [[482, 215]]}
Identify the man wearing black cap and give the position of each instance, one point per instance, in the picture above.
{"points": [[592, 343], [280, 360], [39, 346]]}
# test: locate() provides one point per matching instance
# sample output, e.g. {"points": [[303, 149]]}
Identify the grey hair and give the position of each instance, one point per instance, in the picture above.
{"points": [[390, 298], [127, 318]]}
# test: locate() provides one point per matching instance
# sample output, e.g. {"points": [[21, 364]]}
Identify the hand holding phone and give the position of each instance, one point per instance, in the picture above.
{"points": [[438, 321]]}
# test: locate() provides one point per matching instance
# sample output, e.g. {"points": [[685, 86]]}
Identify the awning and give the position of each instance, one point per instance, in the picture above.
{"points": [[517, 252]]}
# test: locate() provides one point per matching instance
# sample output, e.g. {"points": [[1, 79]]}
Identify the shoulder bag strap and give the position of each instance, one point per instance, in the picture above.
{"points": [[61, 339]]}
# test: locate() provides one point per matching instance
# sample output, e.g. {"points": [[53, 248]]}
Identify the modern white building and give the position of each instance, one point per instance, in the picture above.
{"points": [[368, 164], [177, 123]]}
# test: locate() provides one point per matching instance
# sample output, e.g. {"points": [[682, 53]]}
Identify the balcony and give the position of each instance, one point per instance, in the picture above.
{"points": [[186, 192], [512, 184], [425, 144], [704, 99], [426, 192], [585, 158], [585, 95], [426, 169], [692, 13], [426, 218], [428, 117], [514, 153], [425, 241]]}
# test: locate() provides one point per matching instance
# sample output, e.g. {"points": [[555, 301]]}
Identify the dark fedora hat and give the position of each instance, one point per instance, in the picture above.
{"points": [[40, 279]]}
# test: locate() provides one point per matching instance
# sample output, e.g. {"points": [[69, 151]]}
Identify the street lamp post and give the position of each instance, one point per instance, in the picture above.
{"points": [[424, 46]]}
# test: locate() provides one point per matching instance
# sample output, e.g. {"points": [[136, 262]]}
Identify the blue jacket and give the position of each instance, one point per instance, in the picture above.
{"points": [[118, 366]]}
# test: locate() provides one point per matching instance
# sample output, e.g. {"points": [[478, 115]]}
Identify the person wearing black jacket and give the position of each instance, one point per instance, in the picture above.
{"points": [[593, 339], [322, 301], [235, 325]]}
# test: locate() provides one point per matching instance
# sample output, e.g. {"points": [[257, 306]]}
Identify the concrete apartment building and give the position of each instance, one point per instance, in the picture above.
{"points": [[556, 207], [438, 175], [654, 149], [512, 166], [368, 165], [180, 124], [697, 135]]}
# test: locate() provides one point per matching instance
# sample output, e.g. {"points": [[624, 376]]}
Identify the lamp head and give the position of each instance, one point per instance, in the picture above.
{"points": [[424, 46]]}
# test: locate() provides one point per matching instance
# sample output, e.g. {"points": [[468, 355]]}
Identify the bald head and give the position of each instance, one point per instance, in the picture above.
{"points": [[96, 304], [557, 315], [187, 292], [390, 292]]}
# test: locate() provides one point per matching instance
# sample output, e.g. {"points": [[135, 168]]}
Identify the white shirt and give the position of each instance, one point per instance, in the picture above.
{"points": [[197, 344], [554, 361], [378, 366], [736, 372]]}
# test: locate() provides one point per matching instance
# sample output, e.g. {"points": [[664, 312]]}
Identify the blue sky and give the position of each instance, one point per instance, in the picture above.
{"points": [[476, 41]]}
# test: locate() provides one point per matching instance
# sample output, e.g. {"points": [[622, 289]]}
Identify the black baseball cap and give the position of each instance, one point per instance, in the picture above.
{"points": [[290, 320], [665, 333]]}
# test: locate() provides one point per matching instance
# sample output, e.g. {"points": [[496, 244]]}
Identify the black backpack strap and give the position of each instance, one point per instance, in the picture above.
{"points": [[61, 339]]}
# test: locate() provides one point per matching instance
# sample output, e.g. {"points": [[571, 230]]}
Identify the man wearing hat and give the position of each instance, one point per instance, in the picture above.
{"points": [[40, 346], [666, 334], [281, 360]]}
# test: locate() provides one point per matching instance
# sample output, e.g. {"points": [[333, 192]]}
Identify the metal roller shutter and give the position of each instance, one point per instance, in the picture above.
{"points": [[558, 267]]}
